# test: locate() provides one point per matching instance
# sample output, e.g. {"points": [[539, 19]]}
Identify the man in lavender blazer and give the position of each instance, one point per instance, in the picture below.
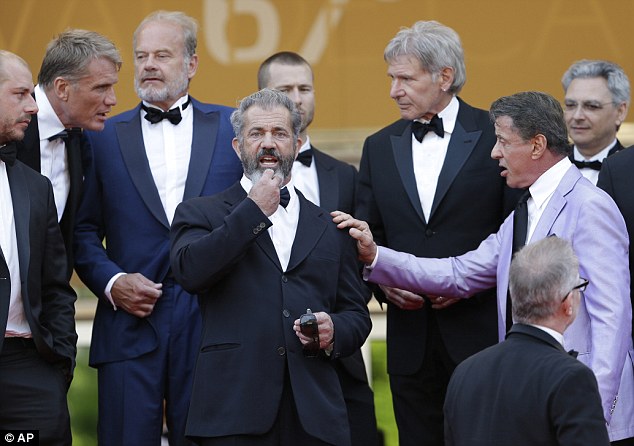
{"points": [[532, 151]]}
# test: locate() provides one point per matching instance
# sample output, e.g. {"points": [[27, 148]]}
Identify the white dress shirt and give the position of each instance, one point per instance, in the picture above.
{"points": [[17, 324], [429, 155], [53, 154], [284, 221], [554, 333], [305, 177], [168, 148]]}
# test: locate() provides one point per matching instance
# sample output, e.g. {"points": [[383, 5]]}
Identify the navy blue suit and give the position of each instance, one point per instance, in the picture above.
{"points": [[121, 204]]}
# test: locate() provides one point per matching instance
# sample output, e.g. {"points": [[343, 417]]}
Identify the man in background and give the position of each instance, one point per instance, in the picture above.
{"points": [[530, 376], [147, 160], [331, 184], [39, 342], [597, 97], [428, 186], [75, 91]]}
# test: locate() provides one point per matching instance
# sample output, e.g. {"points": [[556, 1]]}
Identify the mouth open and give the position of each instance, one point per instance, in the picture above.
{"points": [[268, 161]]}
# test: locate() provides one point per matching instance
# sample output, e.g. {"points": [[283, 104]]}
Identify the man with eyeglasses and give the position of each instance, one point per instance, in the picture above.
{"points": [[597, 97], [532, 149], [530, 376]]}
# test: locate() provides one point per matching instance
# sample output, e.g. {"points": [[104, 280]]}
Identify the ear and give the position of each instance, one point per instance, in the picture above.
{"points": [[236, 147], [192, 66], [298, 146], [61, 88], [621, 113], [446, 78], [540, 145]]}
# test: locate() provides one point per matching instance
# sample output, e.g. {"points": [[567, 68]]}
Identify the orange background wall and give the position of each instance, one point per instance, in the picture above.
{"points": [[510, 45]]}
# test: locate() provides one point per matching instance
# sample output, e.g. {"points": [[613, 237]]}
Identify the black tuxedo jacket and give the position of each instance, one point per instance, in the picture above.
{"points": [[222, 251], [337, 190], [337, 182], [524, 391], [471, 202], [49, 300], [78, 160], [617, 179]]}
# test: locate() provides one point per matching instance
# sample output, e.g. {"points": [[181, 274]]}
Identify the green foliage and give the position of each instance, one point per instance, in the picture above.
{"points": [[382, 394], [82, 402]]}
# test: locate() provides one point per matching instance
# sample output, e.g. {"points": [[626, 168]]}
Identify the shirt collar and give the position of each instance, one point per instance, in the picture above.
{"points": [[48, 123], [449, 115], [305, 145], [547, 183], [598, 157], [179, 103], [554, 333]]}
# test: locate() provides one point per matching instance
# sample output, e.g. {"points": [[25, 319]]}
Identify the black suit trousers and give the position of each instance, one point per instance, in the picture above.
{"points": [[33, 393]]}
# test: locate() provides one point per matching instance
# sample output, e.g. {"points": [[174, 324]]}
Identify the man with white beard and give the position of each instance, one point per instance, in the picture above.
{"points": [[145, 162]]}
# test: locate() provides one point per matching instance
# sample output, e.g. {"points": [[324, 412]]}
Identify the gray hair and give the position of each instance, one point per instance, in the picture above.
{"points": [[617, 80], [69, 54], [435, 46], [284, 58], [6, 56], [542, 273], [188, 24], [266, 99], [533, 113]]}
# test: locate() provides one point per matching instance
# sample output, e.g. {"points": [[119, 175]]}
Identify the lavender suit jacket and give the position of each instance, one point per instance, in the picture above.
{"points": [[587, 217]]}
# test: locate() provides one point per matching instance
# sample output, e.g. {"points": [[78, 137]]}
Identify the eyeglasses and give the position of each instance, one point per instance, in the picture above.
{"points": [[581, 287], [586, 106]]}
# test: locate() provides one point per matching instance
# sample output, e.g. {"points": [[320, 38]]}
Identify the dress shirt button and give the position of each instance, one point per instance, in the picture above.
{"points": [[281, 351], [286, 313], [429, 233], [284, 279]]}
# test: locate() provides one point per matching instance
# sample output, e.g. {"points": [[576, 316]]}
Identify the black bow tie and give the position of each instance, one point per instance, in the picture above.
{"points": [[65, 134], [285, 197], [573, 353], [8, 153], [155, 115], [420, 129], [594, 165], [305, 157]]}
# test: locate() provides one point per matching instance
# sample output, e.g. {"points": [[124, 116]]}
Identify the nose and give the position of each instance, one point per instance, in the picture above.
{"points": [[396, 91], [295, 96], [496, 152], [267, 141], [31, 106], [111, 98]]}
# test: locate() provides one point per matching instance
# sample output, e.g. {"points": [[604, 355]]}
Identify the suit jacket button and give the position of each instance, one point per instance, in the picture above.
{"points": [[281, 351], [286, 313], [284, 279], [429, 233]]}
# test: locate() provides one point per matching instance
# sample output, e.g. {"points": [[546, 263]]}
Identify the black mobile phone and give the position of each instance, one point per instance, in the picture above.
{"points": [[308, 327]]}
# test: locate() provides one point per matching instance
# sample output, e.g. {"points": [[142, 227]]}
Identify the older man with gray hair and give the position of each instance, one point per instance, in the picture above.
{"points": [[530, 376], [260, 255], [75, 91], [597, 97]]}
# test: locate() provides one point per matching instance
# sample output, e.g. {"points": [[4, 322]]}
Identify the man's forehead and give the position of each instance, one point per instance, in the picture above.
{"points": [[275, 116]]}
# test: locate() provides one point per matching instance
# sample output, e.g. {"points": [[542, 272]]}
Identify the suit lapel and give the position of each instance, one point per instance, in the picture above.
{"points": [[402, 149], [555, 205], [203, 143], [459, 149], [133, 151], [310, 228], [328, 181]]}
